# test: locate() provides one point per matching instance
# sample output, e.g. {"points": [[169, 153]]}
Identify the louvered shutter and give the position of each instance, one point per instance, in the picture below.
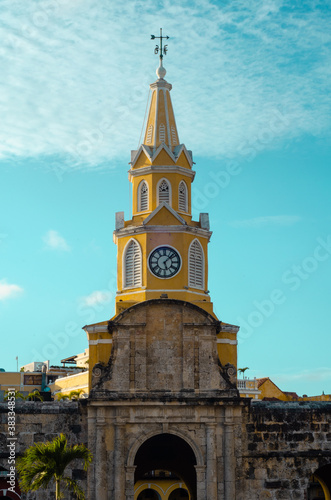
{"points": [[182, 197], [164, 191], [132, 267], [196, 264], [143, 197]]}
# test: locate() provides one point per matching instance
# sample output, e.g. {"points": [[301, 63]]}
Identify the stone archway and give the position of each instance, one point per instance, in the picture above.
{"points": [[320, 482], [167, 452]]}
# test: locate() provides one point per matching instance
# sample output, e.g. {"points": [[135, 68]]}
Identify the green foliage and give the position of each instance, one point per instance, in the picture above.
{"points": [[18, 395], [46, 462], [61, 397], [74, 395], [34, 396], [242, 370]]}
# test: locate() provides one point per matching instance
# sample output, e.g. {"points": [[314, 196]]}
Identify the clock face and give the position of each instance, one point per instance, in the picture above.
{"points": [[164, 262]]}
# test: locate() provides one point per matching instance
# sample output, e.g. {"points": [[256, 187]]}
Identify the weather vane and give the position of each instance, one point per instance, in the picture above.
{"points": [[159, 49]]}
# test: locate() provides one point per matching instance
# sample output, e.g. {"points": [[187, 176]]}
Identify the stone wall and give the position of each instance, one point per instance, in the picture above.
{"points": [[277, 446], [283, 444], [40, 422]]}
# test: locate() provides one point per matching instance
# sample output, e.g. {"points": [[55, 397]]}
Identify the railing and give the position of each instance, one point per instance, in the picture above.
{"points": [[247, 384]]}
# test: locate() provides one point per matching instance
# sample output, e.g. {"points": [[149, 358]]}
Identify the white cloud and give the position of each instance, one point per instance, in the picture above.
{"points": [[78, 75], [321, 374], [54, 241], [97, 297], [271, 220], [9, 290]]}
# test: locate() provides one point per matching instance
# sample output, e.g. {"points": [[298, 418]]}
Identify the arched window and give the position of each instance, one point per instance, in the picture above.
{"points": [[142, 196], [196, 265], [182, 196], [163, 191], [132, 265]]}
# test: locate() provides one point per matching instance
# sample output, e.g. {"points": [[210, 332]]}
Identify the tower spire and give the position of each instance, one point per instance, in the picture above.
{"points": [[162, 51]]}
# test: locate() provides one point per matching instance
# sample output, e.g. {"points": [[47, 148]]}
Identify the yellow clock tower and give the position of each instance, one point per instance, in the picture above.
{"points": [[162, 252]]}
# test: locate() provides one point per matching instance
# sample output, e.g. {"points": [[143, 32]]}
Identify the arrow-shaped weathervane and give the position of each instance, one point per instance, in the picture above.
{"points": [[160, 49]]}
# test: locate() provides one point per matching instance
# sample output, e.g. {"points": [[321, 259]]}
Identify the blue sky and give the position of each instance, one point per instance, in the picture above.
{"points": [[251, 95]]}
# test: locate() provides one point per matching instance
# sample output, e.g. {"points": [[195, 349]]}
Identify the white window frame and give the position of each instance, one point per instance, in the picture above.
{"points": [[200, 287], [124, 285]]}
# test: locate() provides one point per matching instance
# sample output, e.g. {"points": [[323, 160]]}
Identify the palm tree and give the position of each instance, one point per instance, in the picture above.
{"points": [[74, 395], [34, 396], [43, 462], [242, 370]]}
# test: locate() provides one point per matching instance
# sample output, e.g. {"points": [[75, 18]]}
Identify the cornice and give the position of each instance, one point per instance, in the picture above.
{"points": [[164, 169], [134, 230]]}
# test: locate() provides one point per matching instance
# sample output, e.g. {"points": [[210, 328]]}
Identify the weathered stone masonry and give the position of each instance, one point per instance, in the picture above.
{"points": [[40, 422], [276, 448]]}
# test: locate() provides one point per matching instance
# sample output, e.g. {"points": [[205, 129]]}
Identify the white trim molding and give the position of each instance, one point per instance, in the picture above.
{"points": [[95, 328], [227, 341], [161, 169], [100, 341]]}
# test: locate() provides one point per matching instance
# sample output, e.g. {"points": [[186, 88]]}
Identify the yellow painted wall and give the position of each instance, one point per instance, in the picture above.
{"points": [[75, 382], [164, 487], [270, 390], [153, 287], [152, 180]]}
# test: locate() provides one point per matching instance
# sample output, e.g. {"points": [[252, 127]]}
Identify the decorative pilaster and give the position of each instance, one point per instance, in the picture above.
{"points": [[101, 485], [229, 456], [201, 483], [211, 472], [119, 469], [129, 482]]}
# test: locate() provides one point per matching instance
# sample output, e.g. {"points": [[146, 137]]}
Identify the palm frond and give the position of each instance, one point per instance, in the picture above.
{"points": [[73, 486]]}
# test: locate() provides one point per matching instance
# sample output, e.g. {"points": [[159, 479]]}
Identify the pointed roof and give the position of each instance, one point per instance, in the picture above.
{"points": [[161, 126]]}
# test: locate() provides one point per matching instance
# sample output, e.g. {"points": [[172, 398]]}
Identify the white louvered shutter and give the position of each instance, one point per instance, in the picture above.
{"points": [[195, 265], [132, 268], [164, 191], [182, 197], [143, 197]]}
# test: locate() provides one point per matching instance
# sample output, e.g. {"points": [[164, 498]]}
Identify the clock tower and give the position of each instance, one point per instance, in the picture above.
{"points": [[162, 252], [162, 371]]}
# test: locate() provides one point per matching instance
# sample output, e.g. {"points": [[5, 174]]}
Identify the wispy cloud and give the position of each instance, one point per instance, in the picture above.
{"points": [[9, 290], [270, 220], [321, 374], [77, 75], [54, 241], [96, 298]]}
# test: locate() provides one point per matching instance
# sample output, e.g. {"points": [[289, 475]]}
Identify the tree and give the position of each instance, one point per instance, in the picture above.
{"points": [[242, 370], [44, 462]]}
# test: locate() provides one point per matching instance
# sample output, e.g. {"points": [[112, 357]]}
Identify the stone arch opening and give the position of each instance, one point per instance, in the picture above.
{"points": [[170, 453], [320, 484]]}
